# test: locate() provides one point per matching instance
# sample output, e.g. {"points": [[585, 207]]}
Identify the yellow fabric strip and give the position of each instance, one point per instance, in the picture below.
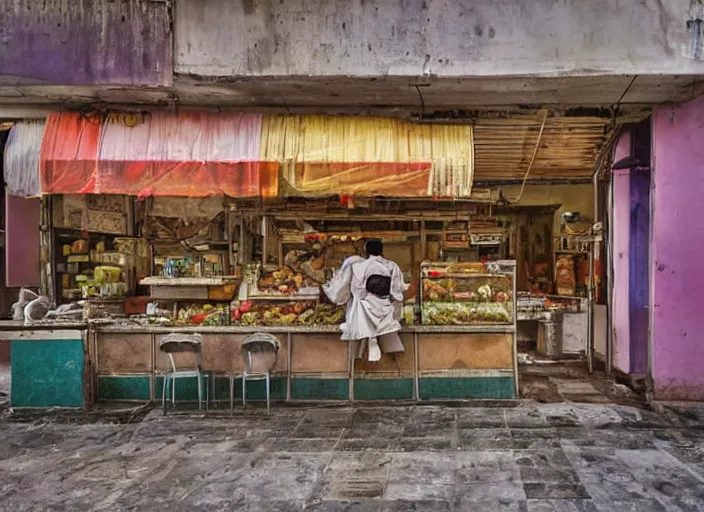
{"points": [[301, 143]]}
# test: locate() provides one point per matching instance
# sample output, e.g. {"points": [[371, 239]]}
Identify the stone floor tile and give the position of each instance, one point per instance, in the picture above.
{"points": [[555, 490], [535, 439], [542, 458], [301, 445], [371, 505], [580, 505], [419, 490], [422, 444], [422, 505], [607, 489], [631, 506], [432, 414], [424, 430], [353, 476], [530, 474], [376, 429], [485, 468], [618, 438], [481, 417], [506, 496], [371, 443], [476, 439], [317, 432], [431, 468], [526, 417]]}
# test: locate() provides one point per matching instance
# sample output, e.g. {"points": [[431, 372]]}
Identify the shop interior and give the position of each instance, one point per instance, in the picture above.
{"points": [[220, 261]]}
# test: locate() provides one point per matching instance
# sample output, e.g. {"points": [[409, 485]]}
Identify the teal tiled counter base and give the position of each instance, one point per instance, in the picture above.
{"points": [[451, 388], [47, 372], [383, 389], [305, 388], [443, 363]]}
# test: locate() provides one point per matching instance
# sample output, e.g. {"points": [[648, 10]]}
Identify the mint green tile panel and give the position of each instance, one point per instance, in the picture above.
{"points": [[123, 387], [466, 387], [256, 389], [222, 388], [383, 389], [319, 389], [186, 389], [46, 373]]}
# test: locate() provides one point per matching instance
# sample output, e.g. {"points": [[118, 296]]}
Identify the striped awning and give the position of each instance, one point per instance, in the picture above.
{"points": [[250, 155]]}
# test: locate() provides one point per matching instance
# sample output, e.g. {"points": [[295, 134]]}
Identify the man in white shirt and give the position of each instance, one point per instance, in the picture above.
{"points": [[372, 289]]}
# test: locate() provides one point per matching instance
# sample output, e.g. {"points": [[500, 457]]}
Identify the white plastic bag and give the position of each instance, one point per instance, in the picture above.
{"points": [[36, 310], [25, 297]]}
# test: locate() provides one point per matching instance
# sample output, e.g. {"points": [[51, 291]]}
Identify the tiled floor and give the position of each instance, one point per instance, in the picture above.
{"points": [[552, 457]]}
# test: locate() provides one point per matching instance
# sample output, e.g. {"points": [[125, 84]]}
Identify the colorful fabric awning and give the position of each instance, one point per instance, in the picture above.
{"points": [[21, 167], [370, 156], [190, 154], [250, 155]]}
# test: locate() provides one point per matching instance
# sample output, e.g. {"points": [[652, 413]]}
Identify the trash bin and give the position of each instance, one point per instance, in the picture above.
{"points": [[550, 337]]}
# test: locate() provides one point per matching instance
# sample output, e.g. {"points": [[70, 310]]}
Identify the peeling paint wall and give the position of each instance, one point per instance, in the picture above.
{"points": [[86, 42], [677, 295], [451, 38], [621, 332]]}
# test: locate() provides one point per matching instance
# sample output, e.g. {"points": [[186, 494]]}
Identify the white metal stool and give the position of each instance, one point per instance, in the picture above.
{"points": [[253, 345], [179, 343]]}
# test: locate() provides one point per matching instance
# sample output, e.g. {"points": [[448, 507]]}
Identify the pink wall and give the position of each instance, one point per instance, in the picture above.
{"points": [[677, 281], [621, 239], [22, 218]]}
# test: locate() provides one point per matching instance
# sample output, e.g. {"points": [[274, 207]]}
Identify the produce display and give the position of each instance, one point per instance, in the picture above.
{"points": [[288, 313], [283, 280], [434, 270], [206, 315], [465, 293], [460, 313], [477, 289]]}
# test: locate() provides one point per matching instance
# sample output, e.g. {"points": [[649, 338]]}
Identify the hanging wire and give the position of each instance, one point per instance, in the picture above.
{"points": [[532, 158]]}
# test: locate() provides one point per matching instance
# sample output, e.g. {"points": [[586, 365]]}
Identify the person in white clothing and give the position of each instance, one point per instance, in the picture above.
{"points": [[372, 289]]}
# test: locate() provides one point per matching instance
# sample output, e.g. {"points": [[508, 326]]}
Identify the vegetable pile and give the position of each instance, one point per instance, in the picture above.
{"points": [[461, 313], [293, 313]]}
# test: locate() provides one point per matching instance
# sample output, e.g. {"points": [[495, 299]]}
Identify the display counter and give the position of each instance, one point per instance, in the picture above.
{"points": [[439, 362]]}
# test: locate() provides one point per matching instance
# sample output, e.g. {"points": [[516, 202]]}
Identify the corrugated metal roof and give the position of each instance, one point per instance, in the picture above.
{"points": [[568, 147]]}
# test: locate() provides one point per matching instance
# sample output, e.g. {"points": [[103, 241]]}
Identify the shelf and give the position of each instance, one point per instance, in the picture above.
{"points": [[181, 299], [471, 275], [287, 298], [189, 281]]}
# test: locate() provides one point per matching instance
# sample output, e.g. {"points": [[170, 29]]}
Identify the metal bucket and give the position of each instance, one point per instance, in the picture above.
{"points": [[550, 338]]}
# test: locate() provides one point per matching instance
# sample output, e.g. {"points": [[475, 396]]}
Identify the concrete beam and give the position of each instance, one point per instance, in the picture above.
{"points": [[392, 96], [421, 38]]}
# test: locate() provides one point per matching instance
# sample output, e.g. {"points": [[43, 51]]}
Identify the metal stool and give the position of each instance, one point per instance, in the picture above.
{"points": [[179, 343], [257, 343]]}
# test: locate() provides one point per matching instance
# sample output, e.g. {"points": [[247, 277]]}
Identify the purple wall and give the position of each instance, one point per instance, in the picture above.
{"points": [[86, 42], [621, 248], [677, 294], [22, 218]]}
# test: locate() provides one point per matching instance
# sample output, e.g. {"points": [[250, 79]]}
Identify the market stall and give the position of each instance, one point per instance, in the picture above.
{"points": [[280, 202], [457, 345]]}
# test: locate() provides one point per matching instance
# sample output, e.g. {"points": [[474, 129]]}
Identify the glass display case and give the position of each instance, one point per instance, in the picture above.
{"points": [[468, 293]]}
